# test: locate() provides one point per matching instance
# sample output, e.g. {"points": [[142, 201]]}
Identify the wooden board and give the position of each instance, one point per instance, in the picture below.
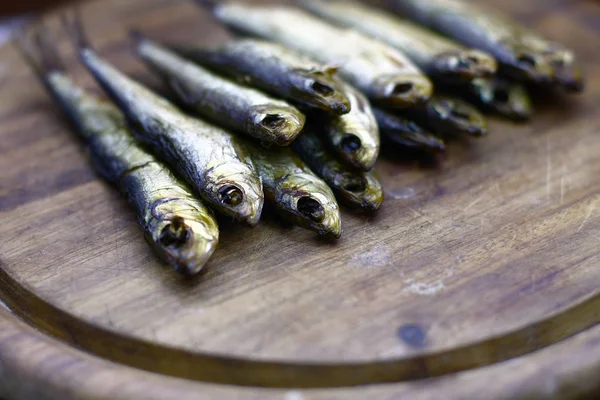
{"points": [[489, 256]]}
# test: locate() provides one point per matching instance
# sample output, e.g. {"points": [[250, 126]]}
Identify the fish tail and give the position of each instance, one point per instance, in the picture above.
{"points": [[37, 46], [74, 27], [139, 39], [208, 4], [137, 36], [100, 70]]}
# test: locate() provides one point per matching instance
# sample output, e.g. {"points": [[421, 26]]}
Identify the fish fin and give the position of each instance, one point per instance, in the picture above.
{"points": [[22, 42], [74, 27], [37, 45], [208, 4]]}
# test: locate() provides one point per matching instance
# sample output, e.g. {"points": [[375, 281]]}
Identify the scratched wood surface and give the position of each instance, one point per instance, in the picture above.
{"points": [[479, 273]]}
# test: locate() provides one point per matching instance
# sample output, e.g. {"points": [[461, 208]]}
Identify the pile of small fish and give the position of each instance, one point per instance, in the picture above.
{"points": [[294, 110]]}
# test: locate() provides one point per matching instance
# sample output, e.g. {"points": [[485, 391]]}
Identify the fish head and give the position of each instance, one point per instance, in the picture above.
{"points": [[359, 189], [567, 72], [549, 62], [310, 203], [185, 237], [505, 97], [235, 190], [318, 89], [408, 133], [276, 124], [525, 63], [356, 134], [456, 116], [401, 90], [356, 140], [464, 65]]}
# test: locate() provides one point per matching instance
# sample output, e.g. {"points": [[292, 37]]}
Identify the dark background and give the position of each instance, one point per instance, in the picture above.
{"points": [[8, 8]]}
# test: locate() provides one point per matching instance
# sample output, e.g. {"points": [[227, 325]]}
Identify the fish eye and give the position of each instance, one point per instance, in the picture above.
{"points": [[273, 121], [350, 143], [176, 234], [467, 62], [402, 88], [527, 59], [231, 195], [311, 208], [322, 89], [500, 96], [353, 183]]}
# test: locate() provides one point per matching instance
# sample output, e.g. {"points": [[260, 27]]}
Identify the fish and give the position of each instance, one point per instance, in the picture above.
{"points": [[221, 101], [405, 132], [353, 136], [449, 115], [274, 69], [210, 159], [353, 187], [440, 58], [502, 96], [298, 194], [179, 227], [384, 74], [521, 53]]}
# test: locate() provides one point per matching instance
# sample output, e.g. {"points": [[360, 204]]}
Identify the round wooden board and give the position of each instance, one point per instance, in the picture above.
{"points": [[491, 255]]}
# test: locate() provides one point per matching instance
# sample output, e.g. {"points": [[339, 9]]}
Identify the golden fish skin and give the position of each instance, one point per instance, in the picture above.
{"points": [[209, 158], [440, 58], [384, 74], [298, 194], [448, 115], [522, 54], [353, 187], [274, 69], [181, 229], [502, 96], [354, 136], [405, 132], [236, 107]]}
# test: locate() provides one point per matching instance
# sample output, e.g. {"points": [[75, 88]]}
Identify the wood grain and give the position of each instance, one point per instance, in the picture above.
{"points": [[490, 255]]}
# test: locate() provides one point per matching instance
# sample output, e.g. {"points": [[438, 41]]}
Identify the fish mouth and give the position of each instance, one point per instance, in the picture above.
{"points": [[373, 195], [239, 202], [186, 250], [313, 207], [456, 117], [423, 140], [465, 65], [324, 220], [402, 91], [334, 101], [567, 73], [360, 190], [334, 232], [279, 125], [352, 183], [323, 93], [357, 153]]}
